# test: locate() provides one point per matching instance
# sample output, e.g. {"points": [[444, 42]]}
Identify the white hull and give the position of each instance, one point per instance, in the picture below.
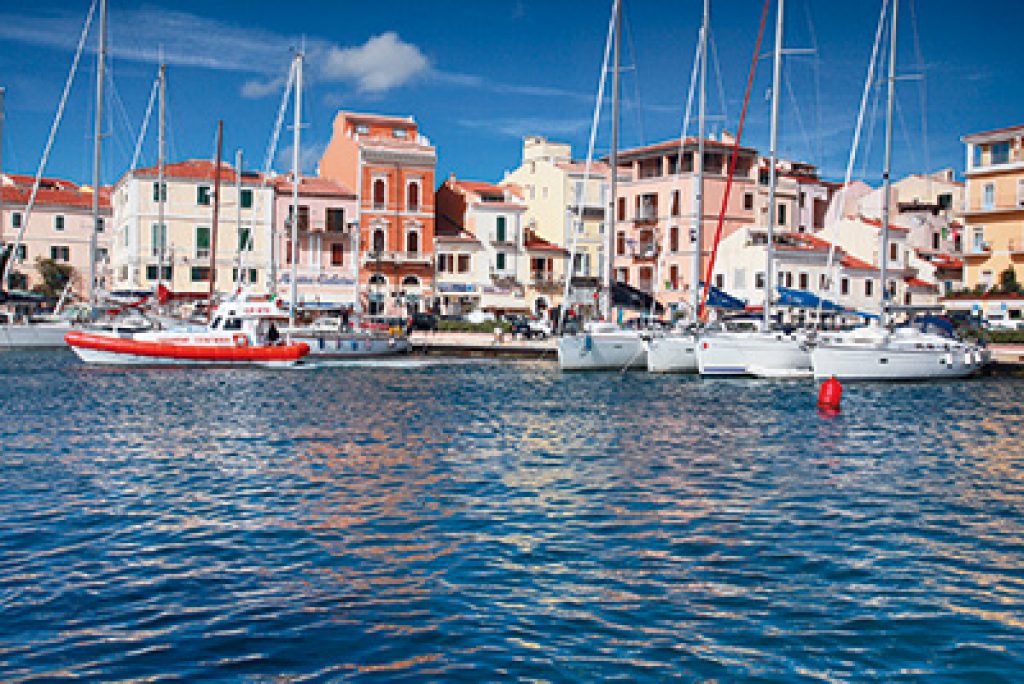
{"points": [[765, 355], [353, 346], [33, 336], [617, 350], [106, 358], [673, 354], [879, 363]]}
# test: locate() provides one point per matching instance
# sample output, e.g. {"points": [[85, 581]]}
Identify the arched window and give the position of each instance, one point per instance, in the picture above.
{"points": [[378, 279], [413, 197], [410, 281], [412, 242], [379, 193], [379, 243]]}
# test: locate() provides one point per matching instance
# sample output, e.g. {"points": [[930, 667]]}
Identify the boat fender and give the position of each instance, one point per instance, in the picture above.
{"points": [[830, 395], [241, 340], [588, 343]]}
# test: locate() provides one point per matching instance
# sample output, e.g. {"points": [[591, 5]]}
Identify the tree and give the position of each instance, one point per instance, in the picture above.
{"points": [[55, 277], [1008, 281]]}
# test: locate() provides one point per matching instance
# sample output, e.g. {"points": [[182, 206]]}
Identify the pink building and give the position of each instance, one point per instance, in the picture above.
{"points": [[60, 228], [327, 247], [655, 216]]}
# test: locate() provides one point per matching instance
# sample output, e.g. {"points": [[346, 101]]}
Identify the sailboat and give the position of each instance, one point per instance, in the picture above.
{"points": [[604, 345], [765, 352], [928, 350]]}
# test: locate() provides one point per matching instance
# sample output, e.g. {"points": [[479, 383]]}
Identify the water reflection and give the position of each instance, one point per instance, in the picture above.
{"points": [[475, 521]]}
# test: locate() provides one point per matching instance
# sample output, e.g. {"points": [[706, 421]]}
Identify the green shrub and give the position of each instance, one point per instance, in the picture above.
{"points": [[466, 326]]}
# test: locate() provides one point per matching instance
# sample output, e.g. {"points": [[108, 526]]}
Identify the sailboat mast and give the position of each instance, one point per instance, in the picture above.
{"points": [[887, 171], [614, 158], [216, 217], [97, 150], [161, 181], [773, 154], [296, 140], [698, 203], [239, 278], [3, 243]]}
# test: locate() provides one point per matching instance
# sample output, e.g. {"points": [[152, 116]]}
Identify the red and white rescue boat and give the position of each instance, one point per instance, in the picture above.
{"points": [[243, 332]]}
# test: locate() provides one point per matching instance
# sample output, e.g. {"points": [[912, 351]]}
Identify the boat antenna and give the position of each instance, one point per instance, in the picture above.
{"points": [[216, 218]]}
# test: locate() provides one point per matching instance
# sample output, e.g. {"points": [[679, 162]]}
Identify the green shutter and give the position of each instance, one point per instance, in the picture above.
{"points": [[501, 261], [203, 195], [247, 199], [501, 229], [243, 239], [202, 237]]}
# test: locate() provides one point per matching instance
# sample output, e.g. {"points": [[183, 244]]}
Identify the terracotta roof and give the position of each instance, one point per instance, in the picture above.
{"points": [[312, 185], [877, 223], [535, 243], [917, 282], [377, 118], [597, 168], [985, 296], [448, 230], [854, 263], [482, 188], [44, 182], [199, 169], [19, 195], [994, 131]]}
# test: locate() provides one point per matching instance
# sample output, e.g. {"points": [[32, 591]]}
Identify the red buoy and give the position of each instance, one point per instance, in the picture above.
{"points": [[830, 395]]}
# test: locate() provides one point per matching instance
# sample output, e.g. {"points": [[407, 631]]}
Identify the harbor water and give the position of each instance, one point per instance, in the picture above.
{"points": [[474, 521]]}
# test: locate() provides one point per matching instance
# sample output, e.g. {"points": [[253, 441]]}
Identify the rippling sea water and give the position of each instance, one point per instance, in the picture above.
{"points": [[479, 521]]}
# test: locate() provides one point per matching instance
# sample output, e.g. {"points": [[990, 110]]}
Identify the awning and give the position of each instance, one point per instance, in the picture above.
{"points": [[802, 299], [720, 299], [24, 296], [629, 297]]}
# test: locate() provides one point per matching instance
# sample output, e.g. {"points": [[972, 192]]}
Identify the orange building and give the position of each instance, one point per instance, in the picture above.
{"points": [[391, 167]]}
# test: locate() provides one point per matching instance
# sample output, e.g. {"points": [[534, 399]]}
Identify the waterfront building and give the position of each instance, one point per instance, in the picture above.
{"points": [[328, 230], [564, 206], [390, 166], [461, 272], [60, 228], [176, 253], [994, 206], [655, 225], [518, 271]]}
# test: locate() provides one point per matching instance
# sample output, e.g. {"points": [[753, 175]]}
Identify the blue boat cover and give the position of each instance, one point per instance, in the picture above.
{"points": [[805, 300], [720, 299]]}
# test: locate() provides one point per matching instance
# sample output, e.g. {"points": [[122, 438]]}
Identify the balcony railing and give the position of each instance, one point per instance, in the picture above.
{"points": [[547, 283], [397, 257]]}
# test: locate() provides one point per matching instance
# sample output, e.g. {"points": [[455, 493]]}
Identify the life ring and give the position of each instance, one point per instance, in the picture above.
{"points": [[241, 340]]}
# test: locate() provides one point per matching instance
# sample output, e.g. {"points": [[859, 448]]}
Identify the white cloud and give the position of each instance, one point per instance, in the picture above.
{"points": [[309, 157], [380, 64], [517, 127], [255, 89]]}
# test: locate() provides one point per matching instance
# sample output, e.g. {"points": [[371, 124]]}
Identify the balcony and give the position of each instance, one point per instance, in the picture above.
{"points": [[505, 281], [979, 251], [645, 250], [647, 213], [546, 283], [397, 258]]}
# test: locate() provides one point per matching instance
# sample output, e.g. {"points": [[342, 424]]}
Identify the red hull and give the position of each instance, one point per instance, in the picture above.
{"points": [[187, 352]]}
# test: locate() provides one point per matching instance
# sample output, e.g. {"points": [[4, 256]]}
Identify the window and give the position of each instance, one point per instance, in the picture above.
{"points": [[244, 239], [782, 214], [500, 231], [1020, 193], [16, 219], [986, 279], [60, 253], [362, 129], [789, 279], [157, 194], [936, 237], [202, 242], [158, 238], [500, 261], [399, 132], [100, 225], [58, 222], [748, 201], [988, 197], [673, 277], [844, 286], [621, 214], [379, 243], [246, 198], [869, 288], [805, 281], [978, 245], [444, 263], [1001, 153], [946, 201], [412, 242], [544, 192], [759, 280], [412, 199], [463, 263], [720, 281], [152, 272], [203, 195], [894, 252], [20, 254], [335, 220], [673, 239], [337, 254], [675, 203], [288, 252], [620, 243], [200, 273], [379, 193]]}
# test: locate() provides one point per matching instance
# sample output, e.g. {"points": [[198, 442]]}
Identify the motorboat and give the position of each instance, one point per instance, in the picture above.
{"points": [[333, 337], [243, 332]]}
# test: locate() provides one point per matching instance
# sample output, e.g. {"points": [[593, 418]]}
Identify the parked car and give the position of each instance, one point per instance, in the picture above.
{"points": [[423, 320]]}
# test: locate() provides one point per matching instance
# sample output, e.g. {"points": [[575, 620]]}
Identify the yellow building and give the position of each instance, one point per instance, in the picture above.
{"points": [[551, 184], [994, 211]]}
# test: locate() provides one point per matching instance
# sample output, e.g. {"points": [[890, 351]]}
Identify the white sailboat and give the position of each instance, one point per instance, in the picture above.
{"points": [[764, 353], [881, 352], [603, 345]]}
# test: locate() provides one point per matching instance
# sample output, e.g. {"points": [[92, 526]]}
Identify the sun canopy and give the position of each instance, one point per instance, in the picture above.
{"points": [[629, 297], [802, 299], [720, 299]]}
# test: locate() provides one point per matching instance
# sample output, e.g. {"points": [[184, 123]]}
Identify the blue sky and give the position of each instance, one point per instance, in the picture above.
{"points": [[479, 76]]}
